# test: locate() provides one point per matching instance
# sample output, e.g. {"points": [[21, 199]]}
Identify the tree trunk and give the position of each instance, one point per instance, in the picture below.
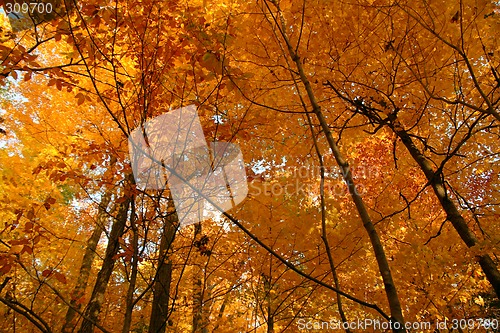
{"points": [[221, 311], [97, 299], [378, 248], [324, 235], [88, 259], [163, 277], [199, 324], [452, 214], [133, 275], [383, 265]]}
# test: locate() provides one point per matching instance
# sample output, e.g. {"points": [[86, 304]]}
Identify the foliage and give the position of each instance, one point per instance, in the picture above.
{"points": [[407, 93]]}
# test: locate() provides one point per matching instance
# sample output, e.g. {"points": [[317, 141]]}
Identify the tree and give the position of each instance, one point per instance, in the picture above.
{"points": [[365, 127]]}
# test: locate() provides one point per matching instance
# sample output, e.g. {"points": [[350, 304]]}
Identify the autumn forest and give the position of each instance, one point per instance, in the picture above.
{"points": [[369, 137]]}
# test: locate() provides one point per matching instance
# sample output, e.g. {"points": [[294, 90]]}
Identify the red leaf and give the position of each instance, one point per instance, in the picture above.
{"points": [[60, 277], [19, 242], [31, 213], [28, 226], [37, 170], [5, 269], [27, 249], [47, 273], [81, 98]]}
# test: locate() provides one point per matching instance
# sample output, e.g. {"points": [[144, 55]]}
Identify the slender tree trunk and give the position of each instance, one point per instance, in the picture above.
{"points": [[270, 322], [270, 319], [378, 248], [199, 323], [97, 298], [270, 311], [383, 264], [452, 214], [324, 235], [88, 259], [163, 277], [221, 312], [133, 274]]}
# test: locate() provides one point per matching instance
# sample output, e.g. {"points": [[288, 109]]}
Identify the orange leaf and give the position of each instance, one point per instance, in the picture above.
{"points": [[16, 249]]}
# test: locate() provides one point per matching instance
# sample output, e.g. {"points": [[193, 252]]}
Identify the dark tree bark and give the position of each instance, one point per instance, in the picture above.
{"points": [[129, 304], [436, 180], [160, 311], [378, 249], [199, 324], [97, 299], [88, 259]]}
